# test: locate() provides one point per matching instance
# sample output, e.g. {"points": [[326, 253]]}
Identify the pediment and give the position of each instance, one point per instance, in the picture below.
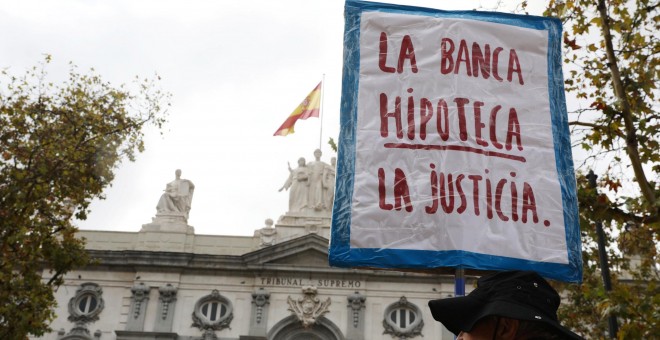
{"points": [[309, 258], [306, 251]]}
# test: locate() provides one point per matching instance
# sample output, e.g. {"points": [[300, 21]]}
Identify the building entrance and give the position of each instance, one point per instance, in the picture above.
{"points": [[290, 328]]}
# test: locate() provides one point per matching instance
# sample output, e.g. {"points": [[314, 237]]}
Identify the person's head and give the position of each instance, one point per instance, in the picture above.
{"points": [[517, 305], [301, 161], [317, 154], [499, 327], [333, 161], [177, 173]]}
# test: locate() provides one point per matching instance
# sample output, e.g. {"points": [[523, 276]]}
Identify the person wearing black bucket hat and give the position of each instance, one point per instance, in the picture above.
{"points": [[516, 305]]}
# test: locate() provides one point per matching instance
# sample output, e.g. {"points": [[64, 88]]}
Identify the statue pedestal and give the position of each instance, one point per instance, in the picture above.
{"points": [[291, 225], [169, 222], [166, 232], [311, 219]]}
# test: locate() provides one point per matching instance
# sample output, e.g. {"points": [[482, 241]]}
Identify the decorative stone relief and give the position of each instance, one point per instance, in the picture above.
{"points": [[78, 333], [403, 320], [356, 304], [212, 313], [260, 299], [139, 300], [166, 307], [87, 304], [259, 312], [355, 320], [84, 308], [167, 297], [308, 308], [267, 234], [140, 297]]}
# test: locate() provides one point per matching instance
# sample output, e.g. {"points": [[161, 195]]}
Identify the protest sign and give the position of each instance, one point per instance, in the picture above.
{"points": [[454, 148]]}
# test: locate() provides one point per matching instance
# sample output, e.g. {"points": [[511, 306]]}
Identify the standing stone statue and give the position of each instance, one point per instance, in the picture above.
{"points": [[329, 175], [177, 197], [298, 186], [317, 169]]}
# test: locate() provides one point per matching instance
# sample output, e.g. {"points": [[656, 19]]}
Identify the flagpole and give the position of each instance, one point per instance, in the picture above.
{"points": [[459, 283], [321, 112]]}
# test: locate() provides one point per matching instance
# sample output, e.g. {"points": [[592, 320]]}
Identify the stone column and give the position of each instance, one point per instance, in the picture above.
{"points": [[355, 327], [139, 301]]}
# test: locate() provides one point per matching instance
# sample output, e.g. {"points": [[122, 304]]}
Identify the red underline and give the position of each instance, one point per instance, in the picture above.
{"points": [[454, 148]]}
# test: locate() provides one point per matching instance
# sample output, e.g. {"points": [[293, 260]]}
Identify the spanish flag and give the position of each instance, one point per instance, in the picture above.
{"points": [[310, 107]]}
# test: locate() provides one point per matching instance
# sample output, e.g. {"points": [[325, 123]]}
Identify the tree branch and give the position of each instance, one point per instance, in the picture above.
{"points": [[598, 127], [626, 112]]}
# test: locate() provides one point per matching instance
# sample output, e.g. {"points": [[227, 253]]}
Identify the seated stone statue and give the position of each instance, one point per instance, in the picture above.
{"points": [[177, 197]]}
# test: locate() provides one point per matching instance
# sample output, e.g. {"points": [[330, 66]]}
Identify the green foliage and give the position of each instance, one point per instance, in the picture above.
{"points": [[635, 294], [332, 144], [59, 146], [612, 66]]}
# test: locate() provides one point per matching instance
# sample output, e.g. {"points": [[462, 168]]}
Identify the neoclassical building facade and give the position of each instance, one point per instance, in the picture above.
{"points": [[166, 282]]}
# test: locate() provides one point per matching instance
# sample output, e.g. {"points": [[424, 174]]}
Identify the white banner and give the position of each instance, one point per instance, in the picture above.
{"points": [[454, 148]]}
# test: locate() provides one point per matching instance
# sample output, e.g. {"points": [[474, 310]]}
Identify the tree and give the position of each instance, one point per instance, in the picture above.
{"points": [[612, 66], [59, 147]]}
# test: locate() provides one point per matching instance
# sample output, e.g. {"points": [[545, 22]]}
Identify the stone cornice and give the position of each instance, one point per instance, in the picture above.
{"points": [[259, 262]]}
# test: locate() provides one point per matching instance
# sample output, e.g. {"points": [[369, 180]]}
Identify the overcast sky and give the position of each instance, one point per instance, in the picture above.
{"points": [[236, 70]]}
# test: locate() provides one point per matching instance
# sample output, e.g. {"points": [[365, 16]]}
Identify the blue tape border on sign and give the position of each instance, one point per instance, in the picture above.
{"points": [[342, 255]]}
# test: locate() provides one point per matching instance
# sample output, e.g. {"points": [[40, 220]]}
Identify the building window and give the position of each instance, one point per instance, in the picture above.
{"points": [[87, 304], [212, 312], [403, 319]]}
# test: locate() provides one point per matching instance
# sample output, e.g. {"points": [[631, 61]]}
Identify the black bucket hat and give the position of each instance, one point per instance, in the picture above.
{"points": [[522, 295]]}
